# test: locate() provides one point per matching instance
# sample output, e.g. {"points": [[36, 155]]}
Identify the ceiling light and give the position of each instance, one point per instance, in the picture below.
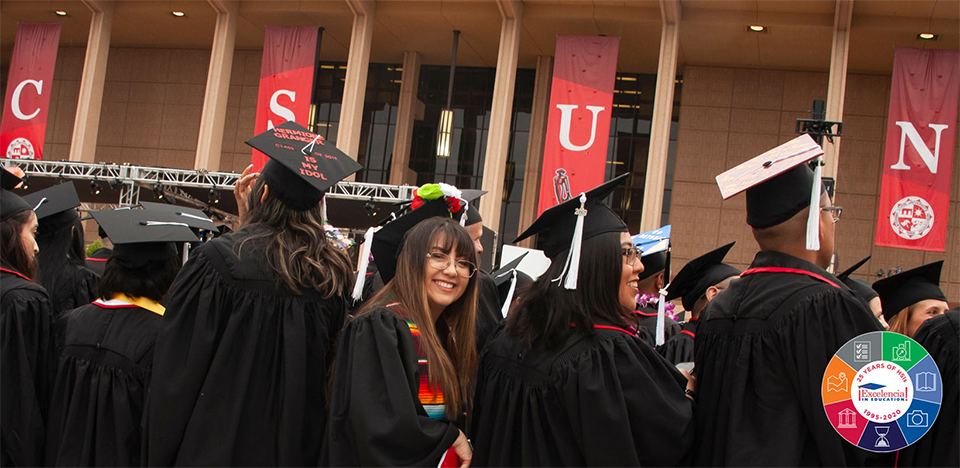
{"points": [[178, 14], [61, 13], [95, 187], [928, 36], [757, 28]]}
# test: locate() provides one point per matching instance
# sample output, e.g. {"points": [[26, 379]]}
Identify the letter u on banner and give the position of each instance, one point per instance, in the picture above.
{"points": [[27, 99], [578, 125], [286, 79], [918, 152]]}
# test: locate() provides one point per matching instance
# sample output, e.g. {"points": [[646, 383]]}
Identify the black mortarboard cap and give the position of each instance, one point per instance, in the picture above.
{"points": [[655, 251], [10, 203], [508, 279], [302, 164], [699, 274], [859, 286], [388, 240], [902, 290], [191, 216], [53, 200], [472, 197], [140, 236]]}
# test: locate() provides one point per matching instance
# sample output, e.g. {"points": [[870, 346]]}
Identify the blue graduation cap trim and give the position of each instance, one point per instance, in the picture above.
{"points": [[657, 240]]}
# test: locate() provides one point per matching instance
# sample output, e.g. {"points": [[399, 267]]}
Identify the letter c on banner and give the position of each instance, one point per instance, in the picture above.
{"points": [[279, 110], [15, 102], [565, 114]]}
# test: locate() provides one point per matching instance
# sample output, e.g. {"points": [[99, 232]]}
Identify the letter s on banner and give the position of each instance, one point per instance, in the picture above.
{"points": [[279, 110]]}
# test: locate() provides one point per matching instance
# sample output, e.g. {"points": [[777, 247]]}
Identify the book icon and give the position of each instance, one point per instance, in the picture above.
{"points": [[926, 382]]}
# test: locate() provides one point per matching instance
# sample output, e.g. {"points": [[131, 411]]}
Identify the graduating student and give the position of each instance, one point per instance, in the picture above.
{"points": [[98, 259], [912, 297], [509, 279], [864, 290], [405, 361], [488, 299], [762, 346], [656, 273], [241, 362], [106, 348], [26, 347], [567, 382], [62, 269], [940, 336], [697, 283]]}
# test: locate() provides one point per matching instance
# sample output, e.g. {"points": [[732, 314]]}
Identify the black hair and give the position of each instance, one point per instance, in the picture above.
{"points": [[546, 310], [60, 239], [151, 281], [13, 255]]}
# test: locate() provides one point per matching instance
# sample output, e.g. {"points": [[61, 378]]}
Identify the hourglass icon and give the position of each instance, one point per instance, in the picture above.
{"points": [[882, 431]]}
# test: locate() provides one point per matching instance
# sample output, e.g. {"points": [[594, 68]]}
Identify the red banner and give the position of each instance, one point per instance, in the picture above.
{"points": [[578, 126], [918, 154], [27, 102], [286, 80]]}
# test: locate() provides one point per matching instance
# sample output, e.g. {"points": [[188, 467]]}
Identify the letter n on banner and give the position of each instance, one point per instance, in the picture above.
{"points": [[578, 125], [27, 99], [918, 153], [286, 79]]}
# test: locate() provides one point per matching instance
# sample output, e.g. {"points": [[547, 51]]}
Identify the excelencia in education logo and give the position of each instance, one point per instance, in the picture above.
{"points": [[881, 391]]}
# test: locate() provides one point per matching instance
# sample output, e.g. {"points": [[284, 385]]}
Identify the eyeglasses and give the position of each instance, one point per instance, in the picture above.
{"points": [[441, 261], [834, 212], [631, 254]]}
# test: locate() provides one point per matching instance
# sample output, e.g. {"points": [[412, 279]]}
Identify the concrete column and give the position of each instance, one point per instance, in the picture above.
{"points": [[210, 142], [662, 116], [86, 126], [400, 172], [498, 136], [836, 86], [538, 133], [355, 83]]}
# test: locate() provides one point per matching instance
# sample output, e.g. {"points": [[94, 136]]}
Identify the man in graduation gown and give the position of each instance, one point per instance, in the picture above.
{"points": [[488, 300], [763, 345]]}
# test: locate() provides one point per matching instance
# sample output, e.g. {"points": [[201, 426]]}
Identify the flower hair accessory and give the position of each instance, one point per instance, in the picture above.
{"points": [[428, 192]]}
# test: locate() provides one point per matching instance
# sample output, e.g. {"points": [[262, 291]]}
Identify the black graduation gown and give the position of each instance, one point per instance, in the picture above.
{"points": [[489, 313], [76, 286], [27, 360], [940, 336], [647, 325], [603, 400], [98, 259], [241, 363], [760, 352], [98, 396], [679, 348], [376, 418]]}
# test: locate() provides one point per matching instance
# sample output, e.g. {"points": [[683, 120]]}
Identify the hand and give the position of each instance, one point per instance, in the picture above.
{"points": [[462, 447], [691, 383], [241, 191]]}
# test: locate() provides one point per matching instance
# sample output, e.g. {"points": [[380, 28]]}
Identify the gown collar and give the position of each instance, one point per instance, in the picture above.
{"points": [[121, 300]]}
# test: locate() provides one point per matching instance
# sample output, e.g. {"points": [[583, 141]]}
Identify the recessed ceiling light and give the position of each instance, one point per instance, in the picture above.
{"points": [[61, 13], [928, 36], [757, 28], [178, 14]]}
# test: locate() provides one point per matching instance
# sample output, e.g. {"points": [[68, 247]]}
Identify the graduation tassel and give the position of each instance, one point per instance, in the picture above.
{"points": [[513, 286], [323, 209], [362, 268], [463, 214], [573, 259], [661, 313], [813, 219], [186, 253]]}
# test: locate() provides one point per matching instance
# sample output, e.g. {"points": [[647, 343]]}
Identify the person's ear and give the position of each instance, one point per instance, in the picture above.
{"points": [[266, 190], [711, 292]]}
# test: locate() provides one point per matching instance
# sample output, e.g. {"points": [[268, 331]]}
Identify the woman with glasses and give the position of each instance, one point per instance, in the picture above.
{"points": [[567, 382], [404, 363]]}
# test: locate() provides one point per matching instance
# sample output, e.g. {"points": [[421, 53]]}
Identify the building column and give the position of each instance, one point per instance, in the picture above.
{"points": [[662, 116], [538, 134], [836, 86], [210, 141], [86, 126], [400, 172], [501, 112], [355, 83]]}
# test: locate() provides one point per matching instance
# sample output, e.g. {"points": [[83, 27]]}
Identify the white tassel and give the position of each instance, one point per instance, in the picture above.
{"points": [[463, 212], [573, 258], [661, 315], [323, 209], [186, 253], [362, 267], [813, 220], [513, 287]]}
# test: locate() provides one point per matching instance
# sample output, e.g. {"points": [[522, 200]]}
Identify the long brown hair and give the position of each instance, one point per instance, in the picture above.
{"points": [[13, 254], [451, 373], [298, 250]]}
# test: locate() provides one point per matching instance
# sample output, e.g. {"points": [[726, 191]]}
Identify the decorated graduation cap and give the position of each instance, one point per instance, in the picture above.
{"points": [[566, 226], [140, 236], [699, 274], [55, 205], [384, 242], [780, 183], [859, 286], [190, 216], [302, 164], [507, 278], [472, 196], [902, 290], [10, 203], [655, 251]]}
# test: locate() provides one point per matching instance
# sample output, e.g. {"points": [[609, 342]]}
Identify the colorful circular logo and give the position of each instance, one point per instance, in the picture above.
{"points": [[911, 218], [881, 391], [20, 148]]}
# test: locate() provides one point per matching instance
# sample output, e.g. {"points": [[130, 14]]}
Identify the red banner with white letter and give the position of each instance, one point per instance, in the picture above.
{"points": [[578, 125], [918, 153], [286, 79], [27, 100]]}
